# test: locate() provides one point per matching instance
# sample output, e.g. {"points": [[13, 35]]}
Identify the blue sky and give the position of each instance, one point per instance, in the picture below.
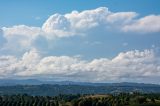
{"points": [[25, 11], [65, 36]]}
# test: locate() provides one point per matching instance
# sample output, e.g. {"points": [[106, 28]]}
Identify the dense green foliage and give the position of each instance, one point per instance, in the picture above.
{"points": [[121, 99]]}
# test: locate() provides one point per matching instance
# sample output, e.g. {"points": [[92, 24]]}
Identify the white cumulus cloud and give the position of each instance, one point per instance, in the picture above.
{"points": [[20, 37], [146, 24], [131, 66], [78, 24]]}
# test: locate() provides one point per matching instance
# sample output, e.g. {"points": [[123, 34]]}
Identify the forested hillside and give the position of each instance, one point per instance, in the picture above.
{"points": [[122, 99]]}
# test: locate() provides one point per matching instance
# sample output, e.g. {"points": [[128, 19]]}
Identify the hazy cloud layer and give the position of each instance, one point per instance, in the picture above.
{"points": [[126, 66]]}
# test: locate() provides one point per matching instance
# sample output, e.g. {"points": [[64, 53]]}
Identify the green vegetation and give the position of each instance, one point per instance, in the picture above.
{"points": [[121, 99]]}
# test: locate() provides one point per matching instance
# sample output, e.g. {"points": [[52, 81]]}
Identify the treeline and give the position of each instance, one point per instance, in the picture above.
{"points": [[121, 99], [27, 100]]}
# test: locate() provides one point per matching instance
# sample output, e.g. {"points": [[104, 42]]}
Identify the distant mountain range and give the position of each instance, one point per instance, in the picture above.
{"points": [[13, 82], [52, 88]]}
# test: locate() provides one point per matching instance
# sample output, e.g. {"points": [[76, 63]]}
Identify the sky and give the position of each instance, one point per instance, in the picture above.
{"points": [[91, 41]]}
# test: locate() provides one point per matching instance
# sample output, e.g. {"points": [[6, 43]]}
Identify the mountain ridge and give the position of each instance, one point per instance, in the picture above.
{"points": [[13, 82]]}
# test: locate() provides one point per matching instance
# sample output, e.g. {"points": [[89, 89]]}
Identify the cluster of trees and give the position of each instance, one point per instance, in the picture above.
{"points": [[121, 99], [27, 100]]}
